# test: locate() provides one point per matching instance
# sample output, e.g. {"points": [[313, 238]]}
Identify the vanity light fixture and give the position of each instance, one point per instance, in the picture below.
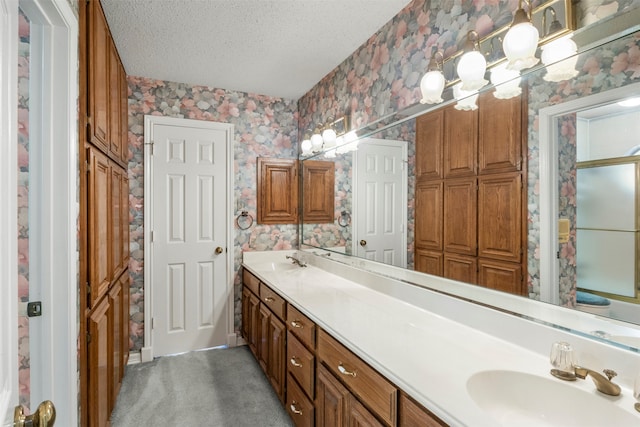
{"points": [[324, 137], [472, 64], [347, 142], [521, 41], [506, 82], [560, 55], [432, 83], [630, 102], [466, 99]]}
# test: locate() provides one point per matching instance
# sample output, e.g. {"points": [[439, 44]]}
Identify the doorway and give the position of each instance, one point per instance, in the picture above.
{"points": [[188, 268]]}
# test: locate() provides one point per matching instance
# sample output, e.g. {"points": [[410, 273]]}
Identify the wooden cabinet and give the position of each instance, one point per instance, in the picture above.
{"points": [[318, 181], [277, 195], [300, 408], [104, 217], [500, 275], [474, 209]]}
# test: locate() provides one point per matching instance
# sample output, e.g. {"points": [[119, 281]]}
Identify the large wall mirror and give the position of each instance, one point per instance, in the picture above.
{"points": [[580, 185]]}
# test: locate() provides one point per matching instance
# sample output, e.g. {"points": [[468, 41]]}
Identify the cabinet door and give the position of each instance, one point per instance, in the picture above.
{"points": [[264, 316], [358, 415], [318, 181], [500, 275], [500, 216], [277, 355], [115, 132], [99, 252], [429, 145], [500, 134], [98, 351], [115, 340], [254, 325], [126, 290], [124, 216], [277, 191], [298, 405], [124, 115], [98, 80], [460, 216], [460, 142], [246, 313], [430, 262], [330, 399], [428, 218], [460, 267]]}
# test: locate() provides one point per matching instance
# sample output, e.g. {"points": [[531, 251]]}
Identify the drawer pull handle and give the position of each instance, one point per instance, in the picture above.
{"points": [[344, 371], [297, 324], [269, 299], [295, 363], [295, 409]]}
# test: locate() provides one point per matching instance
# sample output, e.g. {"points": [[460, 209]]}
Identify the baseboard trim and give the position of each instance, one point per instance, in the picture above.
{"points": [[146, 354], [134, 358]]}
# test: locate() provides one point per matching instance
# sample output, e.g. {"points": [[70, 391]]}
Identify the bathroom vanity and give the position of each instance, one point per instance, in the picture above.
{"points": [[343, 345]]}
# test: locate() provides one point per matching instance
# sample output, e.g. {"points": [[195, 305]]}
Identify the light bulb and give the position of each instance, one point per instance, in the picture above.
{"points": [[329, 138], [471, 69], [330, 154], [520, 44], [431, 86], [506, 82], [316, 142], [560, 58], [466, 99], [306, 147]]}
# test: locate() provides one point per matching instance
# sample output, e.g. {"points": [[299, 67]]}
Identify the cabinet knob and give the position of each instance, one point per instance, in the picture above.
{"points": [[295, 362], [219, 250], [363, 242]]}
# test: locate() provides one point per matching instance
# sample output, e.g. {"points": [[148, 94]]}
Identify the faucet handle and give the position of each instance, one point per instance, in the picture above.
{"points": [[610, 373]]}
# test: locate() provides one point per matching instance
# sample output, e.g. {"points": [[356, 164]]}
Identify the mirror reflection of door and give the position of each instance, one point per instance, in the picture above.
{"points": [[380, 195]]}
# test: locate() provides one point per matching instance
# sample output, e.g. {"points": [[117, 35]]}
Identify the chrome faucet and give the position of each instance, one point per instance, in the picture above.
{"points": [[604, 385], [296, 261]]}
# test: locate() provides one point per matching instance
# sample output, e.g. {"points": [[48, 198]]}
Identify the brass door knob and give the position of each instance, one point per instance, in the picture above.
{"points": [[363, 242], [44, 416], [219, 250]]}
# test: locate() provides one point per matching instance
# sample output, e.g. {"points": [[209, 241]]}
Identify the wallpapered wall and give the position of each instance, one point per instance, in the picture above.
{"points": [[264, 126], [23, 205], [383, 77]]}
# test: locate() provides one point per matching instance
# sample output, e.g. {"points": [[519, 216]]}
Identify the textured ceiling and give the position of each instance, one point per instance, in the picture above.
{"points": [[278, 48]]}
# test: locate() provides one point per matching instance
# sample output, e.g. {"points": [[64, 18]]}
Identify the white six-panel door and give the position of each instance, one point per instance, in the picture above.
{"points": [[381, 201], [189, 236]]}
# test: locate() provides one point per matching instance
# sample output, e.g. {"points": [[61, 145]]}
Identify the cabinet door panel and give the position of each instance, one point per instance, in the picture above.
{"points": [[503, 276], [415, 415], [277, 191], [264, 315], [99, 253], [359, 416], [500, 134], [124, 116], [115, 340], [429, 210], [254, 329], [115, 132], [126, 290], [124, 216], [298, 405], [460, 142], [117, 236], [98, 82], [429, 262], [460, 267], [460, 216], [318, 192], [277, 355], [500, 216], [246, 314], [429, 145], [98, 352], [330, 399]]}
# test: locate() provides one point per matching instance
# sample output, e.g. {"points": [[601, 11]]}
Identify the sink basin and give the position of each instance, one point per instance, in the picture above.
{"points": [[516, 398], [276, 266]]}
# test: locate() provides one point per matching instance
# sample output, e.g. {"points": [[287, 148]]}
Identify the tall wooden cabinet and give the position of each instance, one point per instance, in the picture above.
{"points": [[104, 217], [470, 203]]}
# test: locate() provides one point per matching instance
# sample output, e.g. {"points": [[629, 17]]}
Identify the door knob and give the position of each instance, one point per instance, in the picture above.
{"points": [[363, 242], [219, 250], [44, 416]]}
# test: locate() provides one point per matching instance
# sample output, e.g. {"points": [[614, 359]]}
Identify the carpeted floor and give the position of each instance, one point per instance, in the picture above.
{"points": [[217, 387]]}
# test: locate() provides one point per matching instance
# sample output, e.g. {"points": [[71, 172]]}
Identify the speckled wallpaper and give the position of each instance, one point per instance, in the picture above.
{"points": [[23, 205], [264, 126]]}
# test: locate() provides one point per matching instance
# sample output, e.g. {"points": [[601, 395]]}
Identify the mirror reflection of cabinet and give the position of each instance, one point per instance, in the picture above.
{"points": [[277, 191], [469, 200], [319, 189]]}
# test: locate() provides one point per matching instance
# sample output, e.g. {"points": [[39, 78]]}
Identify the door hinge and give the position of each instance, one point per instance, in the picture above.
{"points": [[88, 289], [152, 236], [151, 145], [88, 338], [153, 323]]}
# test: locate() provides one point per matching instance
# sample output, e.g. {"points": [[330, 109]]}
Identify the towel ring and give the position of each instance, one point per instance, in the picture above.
{"points": [[344, 219], [246, 222]]}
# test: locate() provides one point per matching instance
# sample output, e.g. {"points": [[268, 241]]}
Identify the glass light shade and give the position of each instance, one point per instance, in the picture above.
{"points": [[560, 58], [431, 86], [520, 44], [471, 69], [350, 136], [316, 142], [466, 98], [330, 154], [305, 146], [507, 82], [329, 138], [629, 102]]}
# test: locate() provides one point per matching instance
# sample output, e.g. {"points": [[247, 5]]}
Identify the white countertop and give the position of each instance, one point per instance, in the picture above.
{"points": [[428, 355]]}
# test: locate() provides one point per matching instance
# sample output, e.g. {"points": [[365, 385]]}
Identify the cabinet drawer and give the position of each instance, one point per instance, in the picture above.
{"points": [[273, 301], [301, 326], [251, 281], [371, 388], [299, 407], [300, 364]]}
